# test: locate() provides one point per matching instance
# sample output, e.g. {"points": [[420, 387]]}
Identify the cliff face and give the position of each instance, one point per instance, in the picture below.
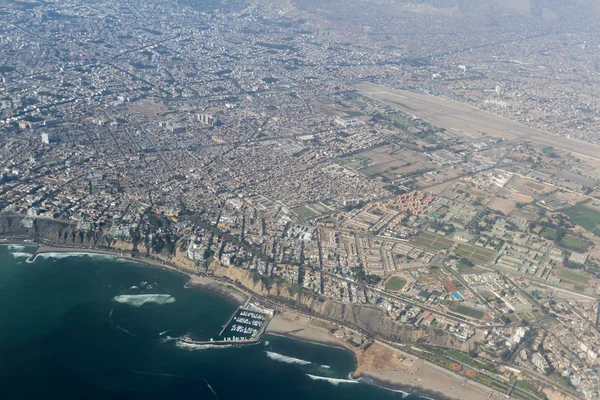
{"points": [[57, 232], [367, 317]]}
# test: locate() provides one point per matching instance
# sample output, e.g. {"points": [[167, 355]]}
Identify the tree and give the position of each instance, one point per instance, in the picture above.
{"points": [[466, 262]]}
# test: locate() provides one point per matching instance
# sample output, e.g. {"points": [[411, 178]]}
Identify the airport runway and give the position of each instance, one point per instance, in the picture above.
{"points": [[453, 115]]}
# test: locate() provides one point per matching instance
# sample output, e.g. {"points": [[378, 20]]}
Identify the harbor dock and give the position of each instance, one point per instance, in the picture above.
{"points": [[246, 326]]}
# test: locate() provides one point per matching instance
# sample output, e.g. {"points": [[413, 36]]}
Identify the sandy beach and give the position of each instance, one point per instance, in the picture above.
{"points": [[219, 287], [385, 365]]}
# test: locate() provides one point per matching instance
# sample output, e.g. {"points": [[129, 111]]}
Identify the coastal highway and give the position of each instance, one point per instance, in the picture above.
{"points": [[468, 120]]}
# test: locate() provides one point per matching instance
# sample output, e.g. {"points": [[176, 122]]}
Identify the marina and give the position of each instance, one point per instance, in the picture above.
{"points": [[246, 326]]}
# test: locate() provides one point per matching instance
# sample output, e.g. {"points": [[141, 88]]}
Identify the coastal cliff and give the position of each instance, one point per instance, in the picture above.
{"points": [[54, 231], [368, 318]]}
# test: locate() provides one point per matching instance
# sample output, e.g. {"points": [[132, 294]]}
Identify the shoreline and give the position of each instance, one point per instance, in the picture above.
{"points": [[194, 281], [368, 379], [304, 331], [382, 365]]}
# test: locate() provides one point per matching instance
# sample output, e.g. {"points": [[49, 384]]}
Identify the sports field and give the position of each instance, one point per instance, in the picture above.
{"points": [[468, 311], [395, 283], [474, 253], [434, 241]]}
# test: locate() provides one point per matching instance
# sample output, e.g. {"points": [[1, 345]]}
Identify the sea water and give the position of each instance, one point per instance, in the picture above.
{"points": [[93, 327]]}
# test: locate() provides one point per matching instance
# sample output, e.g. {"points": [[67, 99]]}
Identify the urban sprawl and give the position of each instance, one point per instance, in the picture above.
{"points": [[286, 140]]}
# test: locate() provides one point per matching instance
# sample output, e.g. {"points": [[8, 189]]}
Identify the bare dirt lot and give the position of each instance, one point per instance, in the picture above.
{"points": [[390, 162]]}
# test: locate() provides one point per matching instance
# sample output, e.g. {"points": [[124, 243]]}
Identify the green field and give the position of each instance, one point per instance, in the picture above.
{"points": [[586, 217], [568, 241], [434, 241], [468, 311], [305, 212], [573, 276], [548, 233], [474, 253], [464, 269], [395, 283], [575, 243]]}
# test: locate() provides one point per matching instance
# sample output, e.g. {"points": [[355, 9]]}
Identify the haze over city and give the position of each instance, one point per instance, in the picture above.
{"points": [[415, 182]]}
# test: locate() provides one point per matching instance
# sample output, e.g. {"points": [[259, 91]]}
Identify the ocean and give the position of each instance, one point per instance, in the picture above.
{"points": [[95, 327]]}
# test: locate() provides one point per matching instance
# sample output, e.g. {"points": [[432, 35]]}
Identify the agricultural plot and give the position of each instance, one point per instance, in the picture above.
{"points": [[568, 241], [434, 241], [574, 277], [548, 233], [586, 217], [575, 243], [474, 253]]}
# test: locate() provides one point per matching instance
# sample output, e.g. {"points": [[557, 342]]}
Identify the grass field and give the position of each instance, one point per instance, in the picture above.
{"points": [[548, 233], [395, 283], [586, 217], [305, 212], [468, 311], [573, 276], [474, 253], [568, 241], [575, 243], [434, 241], [464, 269]]}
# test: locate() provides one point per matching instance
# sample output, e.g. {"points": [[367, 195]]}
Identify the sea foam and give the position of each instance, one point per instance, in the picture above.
{"points": [[286, 359], [193, 346], [138, 300], [60, 255], [16, 247], [333, 381], [18, 254], [369, 381]]}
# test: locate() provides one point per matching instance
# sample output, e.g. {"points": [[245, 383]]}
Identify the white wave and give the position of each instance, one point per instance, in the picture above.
{"points": [[267, 343], [325, 366], [138, 300], [369, 381], [162, 333], [286, 359], [404, 394], [129, 260], [211, 389], [66, 254], [193, 346], [18, 254], [16, 247], [119, 327], [333, 381], [168, 339]]}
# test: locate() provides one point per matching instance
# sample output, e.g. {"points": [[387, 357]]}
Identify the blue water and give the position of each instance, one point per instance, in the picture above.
{"points": [[66, 333]]}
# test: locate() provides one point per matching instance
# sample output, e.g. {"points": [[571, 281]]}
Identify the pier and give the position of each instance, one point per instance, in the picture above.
{"points": [[246, 326]]}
